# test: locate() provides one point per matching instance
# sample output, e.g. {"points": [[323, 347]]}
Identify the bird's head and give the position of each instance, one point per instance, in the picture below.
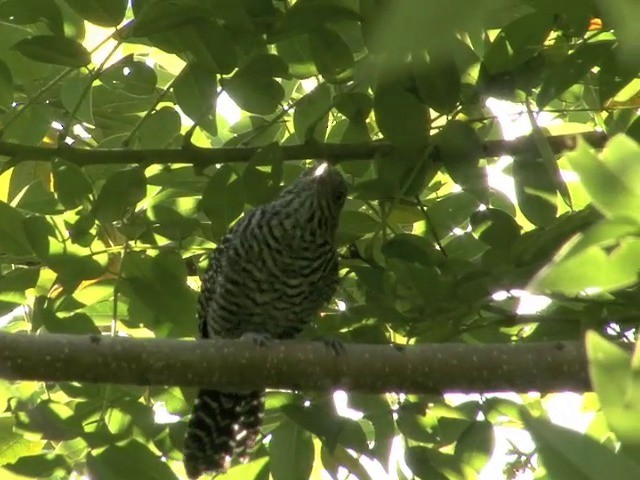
{"points": [[320, 194]]}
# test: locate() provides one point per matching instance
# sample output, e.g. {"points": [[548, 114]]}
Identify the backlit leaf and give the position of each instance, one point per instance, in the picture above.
{"points": [[54, 49]]}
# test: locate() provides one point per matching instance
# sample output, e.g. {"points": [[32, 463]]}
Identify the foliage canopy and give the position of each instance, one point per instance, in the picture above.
{"points": [[434, 248]]}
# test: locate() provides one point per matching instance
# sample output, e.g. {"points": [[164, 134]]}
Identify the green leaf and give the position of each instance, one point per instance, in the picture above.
{"points": [[411, 248], [393, 103], [14, 445], [6, 86], [75, 268], [592, 268], [75, 324], [160, 298], [634, 388], [416, 424], [353, 105], [195, 91], [132, 76], [352, 436], [357, 131], [256, 470], [26, 12], [402, 172], [216, 47], [612, 179], [22, 69], [77, 90], [158, 17], [311, 116], [542, 145], [614, 75], [108, 102], [173, 399], [569, 454], [321, 419], [296, 52], [160, 129], [331, 54], [255, 94], [572, 69], [6, 392], [611, 376], [172, 224], [304, 17], [460, 152], [408, 27], [130, 461], [419, 461], [120, 194], [38, 230], [37, 198], [106, 13], [223, 199], [376, 409], [43, 465], [535, 190], [518, 41], [133, 413], [80, 228], [438, 82], [32, 126], [604, 234], [55, 50], [72, 262], [266, 64], [14, 284], [451, 211], [290, 452], [180, 177], [53, 420], [495, 227], [355, 225], [71, 185], [13, 238], [475, 445], [262, 184]]}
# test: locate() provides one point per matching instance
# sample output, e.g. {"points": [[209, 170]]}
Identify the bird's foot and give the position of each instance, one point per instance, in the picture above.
{"points": [[258, 339], [334, 344]]}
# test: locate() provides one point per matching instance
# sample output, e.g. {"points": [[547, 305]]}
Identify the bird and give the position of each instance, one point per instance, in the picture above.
{"points": [[267, 278]]}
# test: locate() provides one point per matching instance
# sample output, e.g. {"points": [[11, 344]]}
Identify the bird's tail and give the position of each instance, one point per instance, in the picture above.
{"points": [[222, 425]]}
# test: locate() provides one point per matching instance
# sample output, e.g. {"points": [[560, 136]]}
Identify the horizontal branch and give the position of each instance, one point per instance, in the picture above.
{"points": [[203, 157], [239, 364]]}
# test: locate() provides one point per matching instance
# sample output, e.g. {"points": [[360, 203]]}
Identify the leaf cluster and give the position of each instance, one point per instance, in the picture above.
{"points": [[431, 251]]}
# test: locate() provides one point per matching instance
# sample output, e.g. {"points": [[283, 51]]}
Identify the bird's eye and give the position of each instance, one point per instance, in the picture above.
{"points": [[339, 196]]}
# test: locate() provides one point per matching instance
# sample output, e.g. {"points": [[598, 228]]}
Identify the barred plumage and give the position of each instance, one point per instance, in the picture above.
{"points": [[270, 275]]}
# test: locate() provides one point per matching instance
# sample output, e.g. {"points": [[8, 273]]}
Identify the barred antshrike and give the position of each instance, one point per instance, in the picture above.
{"points": [[269, 276]]}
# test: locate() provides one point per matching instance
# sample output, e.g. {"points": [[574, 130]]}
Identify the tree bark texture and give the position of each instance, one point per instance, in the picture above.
{"points": [[336, 152], [295, 365]]}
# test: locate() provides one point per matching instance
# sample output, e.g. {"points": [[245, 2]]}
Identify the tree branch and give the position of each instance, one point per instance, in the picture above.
{"points": [[239, 364], [203, 157]]}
